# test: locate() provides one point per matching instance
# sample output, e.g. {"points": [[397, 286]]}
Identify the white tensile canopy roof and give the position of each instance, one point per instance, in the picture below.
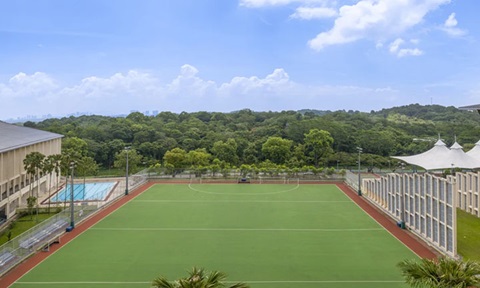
{"points": [[441, 157], [475, 151]]}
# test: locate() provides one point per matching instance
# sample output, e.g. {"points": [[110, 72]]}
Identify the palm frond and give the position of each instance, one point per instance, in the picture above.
{"points": [[161, 282]]}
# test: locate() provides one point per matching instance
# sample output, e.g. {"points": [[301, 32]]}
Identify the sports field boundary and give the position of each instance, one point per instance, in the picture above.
{"points": [[17, 272], [404, 236]]}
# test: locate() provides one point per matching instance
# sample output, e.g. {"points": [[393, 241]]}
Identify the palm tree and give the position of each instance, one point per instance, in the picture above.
{"points": [[441, 273], [30, 169], [48, 168], [33, 165], [56, 159], [197, 278]]}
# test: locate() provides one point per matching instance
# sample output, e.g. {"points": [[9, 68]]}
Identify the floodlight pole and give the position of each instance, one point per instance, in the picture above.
{"points": [[126, 172], [359, 191], [72, 208]]}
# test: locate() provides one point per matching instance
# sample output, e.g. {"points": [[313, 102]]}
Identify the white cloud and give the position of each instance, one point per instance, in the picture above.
{"points": [[450, 27], [188, 84], [24, 86], [272, 83], [309, 13], [395, 49], [133, 84], [39, 94], [451, 21], [374, 19]]}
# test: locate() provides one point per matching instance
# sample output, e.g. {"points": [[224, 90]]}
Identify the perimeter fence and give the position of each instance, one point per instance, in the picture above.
{"points": [[48, 232], [422, 203]]}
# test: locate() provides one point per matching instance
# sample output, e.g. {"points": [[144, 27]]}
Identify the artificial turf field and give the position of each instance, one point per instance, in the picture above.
{"points": [[266, 235]]}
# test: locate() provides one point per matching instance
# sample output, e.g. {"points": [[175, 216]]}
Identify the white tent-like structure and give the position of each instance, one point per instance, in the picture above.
{"points": [[475, 151], [441, 157]]}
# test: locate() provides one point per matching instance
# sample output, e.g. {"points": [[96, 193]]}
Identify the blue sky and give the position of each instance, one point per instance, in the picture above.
{"points": [[114, 56]]}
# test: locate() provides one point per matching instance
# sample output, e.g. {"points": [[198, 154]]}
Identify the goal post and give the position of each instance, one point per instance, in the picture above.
{"points": [[278, 180], [195, 180], [295, 181]]}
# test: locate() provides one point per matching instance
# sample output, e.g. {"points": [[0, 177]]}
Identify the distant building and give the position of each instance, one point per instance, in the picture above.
{"points": [[15, 143], [475, 107]]}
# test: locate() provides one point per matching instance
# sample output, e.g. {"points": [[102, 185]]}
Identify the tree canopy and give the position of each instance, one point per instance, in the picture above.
{"points": [[291, 138]]}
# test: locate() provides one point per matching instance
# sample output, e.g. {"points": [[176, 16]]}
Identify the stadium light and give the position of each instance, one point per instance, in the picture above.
{"points": [[359, 174], [72, 208], [126, 172]]}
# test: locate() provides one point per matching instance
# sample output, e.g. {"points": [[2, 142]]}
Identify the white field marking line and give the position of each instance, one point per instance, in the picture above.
{"points": [[100, 210], [241, 193], [228, 282], [242, 201], [244, 229], [391, 234]]}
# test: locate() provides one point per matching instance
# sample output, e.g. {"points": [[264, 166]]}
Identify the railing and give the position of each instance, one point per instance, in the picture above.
{"points": [[50, 230]]}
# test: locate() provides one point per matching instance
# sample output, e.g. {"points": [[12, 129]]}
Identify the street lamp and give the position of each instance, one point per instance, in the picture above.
{"points": [[359, 174], [72, 208], [126, 172]]}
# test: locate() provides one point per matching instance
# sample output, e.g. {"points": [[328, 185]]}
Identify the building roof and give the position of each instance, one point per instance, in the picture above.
{"points": [[441, 157], [475, 151], [475, 107], [14, 136]]}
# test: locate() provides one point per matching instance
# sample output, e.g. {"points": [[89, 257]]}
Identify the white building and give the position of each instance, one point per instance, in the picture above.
{"points": [[15, 143]]}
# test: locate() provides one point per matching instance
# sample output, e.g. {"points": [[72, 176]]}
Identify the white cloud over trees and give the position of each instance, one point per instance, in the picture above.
{"points": [[142, 91]]}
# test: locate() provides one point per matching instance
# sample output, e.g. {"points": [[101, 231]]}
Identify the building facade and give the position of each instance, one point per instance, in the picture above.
{"points": [[16, 142]]}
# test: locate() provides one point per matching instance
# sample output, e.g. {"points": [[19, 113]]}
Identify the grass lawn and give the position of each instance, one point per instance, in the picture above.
{"points": [[270, 236], [468, 235], [23, 224]]}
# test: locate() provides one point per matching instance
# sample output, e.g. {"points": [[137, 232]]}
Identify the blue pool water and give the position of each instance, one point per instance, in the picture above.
{"points": [[84, 192]]}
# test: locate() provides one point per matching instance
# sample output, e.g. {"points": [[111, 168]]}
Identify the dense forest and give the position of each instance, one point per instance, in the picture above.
{"points": [[290, 138]]}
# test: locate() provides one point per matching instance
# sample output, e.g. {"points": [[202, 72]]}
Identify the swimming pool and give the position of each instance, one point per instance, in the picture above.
{"points": [[84, 192]]}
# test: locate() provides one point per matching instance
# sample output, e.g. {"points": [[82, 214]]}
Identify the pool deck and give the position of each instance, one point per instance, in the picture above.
{"points": [[43, 197]]}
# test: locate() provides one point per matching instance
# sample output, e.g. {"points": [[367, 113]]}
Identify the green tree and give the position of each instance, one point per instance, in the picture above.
{"points": [[441, 273], [31, 201], [48, 168], [134, 160], [175, 159], [87, 167], [226, 151], [318, 144], [199, 157], [197, 278], [56, 161], [33, 164], [76, 144], [277, 149]]}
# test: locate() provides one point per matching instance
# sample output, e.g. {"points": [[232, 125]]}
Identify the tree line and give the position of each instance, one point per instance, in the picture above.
{"points": [[293, 139]]}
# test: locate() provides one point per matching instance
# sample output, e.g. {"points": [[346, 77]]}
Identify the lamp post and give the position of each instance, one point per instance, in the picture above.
{"points": [[359, 174], [72, 208], [338, 161], [126, 172]]}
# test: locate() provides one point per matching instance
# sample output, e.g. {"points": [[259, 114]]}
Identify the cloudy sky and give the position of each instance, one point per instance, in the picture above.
{"points": [[115, 56]]}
